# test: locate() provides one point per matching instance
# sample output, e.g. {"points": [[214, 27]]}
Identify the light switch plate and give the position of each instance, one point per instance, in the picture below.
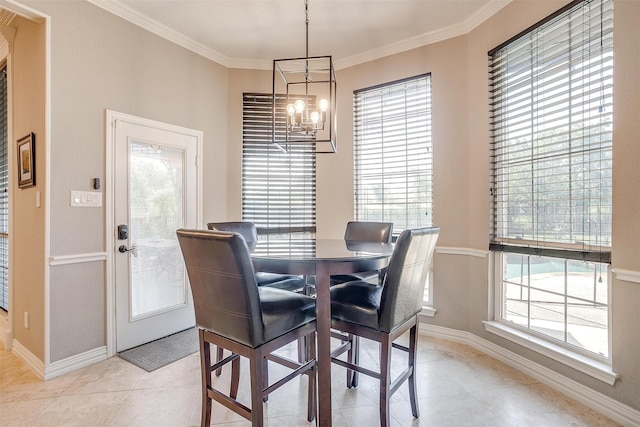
{"points": [[86, 199]]}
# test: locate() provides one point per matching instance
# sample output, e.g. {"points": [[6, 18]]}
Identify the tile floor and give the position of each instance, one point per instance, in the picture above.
{"points": [[457, 386]]}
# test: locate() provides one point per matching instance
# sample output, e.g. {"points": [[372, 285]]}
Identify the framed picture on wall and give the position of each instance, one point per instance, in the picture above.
{"points": [[27, 161]]}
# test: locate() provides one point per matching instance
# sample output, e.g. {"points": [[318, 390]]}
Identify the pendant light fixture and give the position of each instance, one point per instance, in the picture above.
{"points": [[304, 100]]}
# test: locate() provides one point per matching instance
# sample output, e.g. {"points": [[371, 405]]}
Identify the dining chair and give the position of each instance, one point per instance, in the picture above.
{"points": [[370, 232], [234, 313], [248, 230], [385, 312]]}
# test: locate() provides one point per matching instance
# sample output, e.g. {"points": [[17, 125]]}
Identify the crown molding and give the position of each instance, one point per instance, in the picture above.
{"points": [[119, 9], [17, 8]]}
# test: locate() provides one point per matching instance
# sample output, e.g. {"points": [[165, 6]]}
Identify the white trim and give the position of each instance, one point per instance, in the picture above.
{"points": [[111, 118], [47, 192], [22, 10], [118, 8], [5, 331], [444, 250], [77, 258], [605, 405], [36, 365], [77, 361], [627, 275], [594, 368], [127, 13], [428, 311], [7, 334]]}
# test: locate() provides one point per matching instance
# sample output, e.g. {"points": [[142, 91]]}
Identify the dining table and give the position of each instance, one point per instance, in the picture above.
{"points": [[320, 258]]}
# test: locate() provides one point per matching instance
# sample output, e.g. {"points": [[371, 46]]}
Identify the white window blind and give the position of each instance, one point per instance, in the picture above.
{"points": [[278, 188], [4, 195], [551, 135], [393, 153]]}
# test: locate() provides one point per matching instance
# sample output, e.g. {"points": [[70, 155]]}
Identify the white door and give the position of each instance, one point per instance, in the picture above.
{"points": [[155, 193]]}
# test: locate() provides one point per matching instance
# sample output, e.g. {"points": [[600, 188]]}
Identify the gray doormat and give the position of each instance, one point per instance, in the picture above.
{"points": [[163, 351]]}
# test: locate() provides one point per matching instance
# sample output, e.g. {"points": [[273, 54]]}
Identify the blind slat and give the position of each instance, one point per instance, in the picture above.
{"points": [[393, 154], [278, 189]]}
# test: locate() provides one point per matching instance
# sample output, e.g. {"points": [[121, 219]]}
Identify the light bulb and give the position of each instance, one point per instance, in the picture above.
{"points": [[291, 110], [323, 104], [299, 106], [315, 116]]}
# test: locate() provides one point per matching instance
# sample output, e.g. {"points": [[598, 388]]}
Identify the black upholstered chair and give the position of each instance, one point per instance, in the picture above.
{"points": [[248, 230], [365, 231], [234, 313], [385, 312]]}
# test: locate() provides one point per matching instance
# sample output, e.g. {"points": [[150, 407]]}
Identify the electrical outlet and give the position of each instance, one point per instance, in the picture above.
{"points": [[26, 320]]}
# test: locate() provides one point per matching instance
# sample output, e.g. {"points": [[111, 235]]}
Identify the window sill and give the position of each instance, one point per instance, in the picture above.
{"points": [[592, 367], [428, 311]]}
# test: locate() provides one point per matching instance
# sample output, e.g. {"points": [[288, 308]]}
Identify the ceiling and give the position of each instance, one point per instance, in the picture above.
{"points": [[251, 33]]}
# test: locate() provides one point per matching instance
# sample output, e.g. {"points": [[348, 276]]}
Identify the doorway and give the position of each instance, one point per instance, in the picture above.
{"points": [[155, 177]]}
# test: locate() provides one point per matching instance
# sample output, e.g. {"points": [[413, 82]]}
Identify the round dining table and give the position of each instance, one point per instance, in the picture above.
{"points": [[320, 258]]}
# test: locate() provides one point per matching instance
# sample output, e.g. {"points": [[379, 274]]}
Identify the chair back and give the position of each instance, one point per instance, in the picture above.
{"points": [[403, 286], [246, 229], [367, 231], [225, 293]]}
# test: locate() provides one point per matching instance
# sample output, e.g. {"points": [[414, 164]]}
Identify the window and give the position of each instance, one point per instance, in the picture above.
{"points": [[278, 187], [393, 154], [551, 158]]}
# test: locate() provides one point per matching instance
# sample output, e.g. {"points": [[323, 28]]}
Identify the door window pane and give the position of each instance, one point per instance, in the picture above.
{"points": [[156, 203]]}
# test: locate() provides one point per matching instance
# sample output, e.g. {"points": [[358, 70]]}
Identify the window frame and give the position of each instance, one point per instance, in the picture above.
{"points": [[372, 128], [582, 359], [296, 163]]}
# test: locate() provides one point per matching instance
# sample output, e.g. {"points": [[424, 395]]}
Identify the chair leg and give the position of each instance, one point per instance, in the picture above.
{"points": [[256, 370], [219, 355], [235, 378], [311, 395], [302, 349], [205, 368], [385, 381], [413, 395], [266, 378], [355, 345]]}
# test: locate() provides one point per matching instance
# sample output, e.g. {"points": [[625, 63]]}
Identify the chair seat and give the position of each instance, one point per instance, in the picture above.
{"points": [[383, 313], [283, 311], [233, 313], [281, 281], [366, 276], [356, 302]]}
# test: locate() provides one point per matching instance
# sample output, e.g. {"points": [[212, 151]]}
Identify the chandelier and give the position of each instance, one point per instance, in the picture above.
{"points": [[304, 100]]}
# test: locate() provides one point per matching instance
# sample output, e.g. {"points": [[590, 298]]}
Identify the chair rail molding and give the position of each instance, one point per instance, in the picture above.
{"points": [[448, 250], [627, 275], [77, 258]]}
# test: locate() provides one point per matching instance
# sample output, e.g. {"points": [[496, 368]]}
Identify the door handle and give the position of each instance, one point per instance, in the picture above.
{"points": [[133, 249]]}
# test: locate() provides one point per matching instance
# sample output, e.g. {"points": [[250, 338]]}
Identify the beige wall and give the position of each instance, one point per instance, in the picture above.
{"points": [[27, 80], [461, 174], [239, 81], [100, 61]]}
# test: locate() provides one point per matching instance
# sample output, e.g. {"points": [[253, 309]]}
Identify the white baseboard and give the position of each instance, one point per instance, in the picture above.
{"points": [[607, 406], [36, 365], [60, 367], [72, 363]]}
